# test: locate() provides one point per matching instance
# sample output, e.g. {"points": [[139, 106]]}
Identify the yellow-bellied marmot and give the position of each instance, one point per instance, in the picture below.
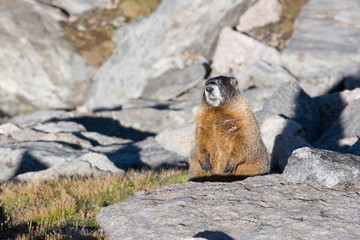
{"points": [[227, 136]]}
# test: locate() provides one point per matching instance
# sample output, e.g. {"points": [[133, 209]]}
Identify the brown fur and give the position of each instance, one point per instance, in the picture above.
{"points": [[227, 141]]}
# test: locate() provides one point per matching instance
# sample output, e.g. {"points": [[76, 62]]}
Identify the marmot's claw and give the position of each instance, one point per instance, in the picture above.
{"points": [[205, 166], [230, 168]]}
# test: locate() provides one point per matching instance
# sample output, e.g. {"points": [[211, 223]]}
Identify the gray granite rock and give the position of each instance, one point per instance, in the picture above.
{"points": [[174, 82], [58, 127], [322, 168], [258, 96], [88, 165], [75, 140], [310, 51], [37, 117], [40, 69], [262, 73], [144, 52], [262, 207], [292, 102], [143, 154], [21, 157], [178, 139]]}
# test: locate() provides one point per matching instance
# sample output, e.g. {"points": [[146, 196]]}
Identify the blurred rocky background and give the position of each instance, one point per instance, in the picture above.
{"points": [[96, 87]]}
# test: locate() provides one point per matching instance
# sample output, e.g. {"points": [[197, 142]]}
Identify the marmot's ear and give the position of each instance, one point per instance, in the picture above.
{"points": [[233, 82]]}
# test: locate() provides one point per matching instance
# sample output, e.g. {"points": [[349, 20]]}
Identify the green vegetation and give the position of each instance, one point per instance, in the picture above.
{"points": [[92, 34], [36, 210]]}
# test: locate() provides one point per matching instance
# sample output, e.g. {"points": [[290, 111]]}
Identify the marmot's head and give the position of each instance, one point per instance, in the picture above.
{"points": [[219, 90]]}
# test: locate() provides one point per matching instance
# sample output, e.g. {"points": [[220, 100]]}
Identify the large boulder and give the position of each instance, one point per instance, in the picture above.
{"points": [[269, 10], [323, 48], [40, 69], [262, 207], [322, 168], [236, 51], [151, 46]]}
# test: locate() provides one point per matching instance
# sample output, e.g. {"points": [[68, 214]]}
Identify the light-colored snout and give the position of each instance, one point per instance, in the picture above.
{"points": [[213, 95]]}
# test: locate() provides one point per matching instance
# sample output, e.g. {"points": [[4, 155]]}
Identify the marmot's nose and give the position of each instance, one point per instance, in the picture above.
{"points": [[209, 88]]}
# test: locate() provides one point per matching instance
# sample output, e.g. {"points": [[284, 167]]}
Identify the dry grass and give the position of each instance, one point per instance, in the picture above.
{"points": [[35, 210]]}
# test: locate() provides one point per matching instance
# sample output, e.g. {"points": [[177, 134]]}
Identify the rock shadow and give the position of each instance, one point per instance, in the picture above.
{"points": [[107, 126], [29, 163], [127, 158], [218, 178], [213, 235]]}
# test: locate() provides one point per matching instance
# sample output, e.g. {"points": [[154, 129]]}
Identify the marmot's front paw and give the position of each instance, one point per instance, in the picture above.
{"points": [[206, 166], [230, 168]]}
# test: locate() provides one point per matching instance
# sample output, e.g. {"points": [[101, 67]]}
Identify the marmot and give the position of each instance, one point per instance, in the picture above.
{"points": [[227, 135]]}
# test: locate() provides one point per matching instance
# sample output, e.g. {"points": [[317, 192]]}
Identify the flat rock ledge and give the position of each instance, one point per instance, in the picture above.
{"points": [[263, 207]]}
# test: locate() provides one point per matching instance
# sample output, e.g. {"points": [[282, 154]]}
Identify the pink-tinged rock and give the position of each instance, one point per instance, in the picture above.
{"points": [[261, 14], [276, 125], [7, 128], [236, 51]]}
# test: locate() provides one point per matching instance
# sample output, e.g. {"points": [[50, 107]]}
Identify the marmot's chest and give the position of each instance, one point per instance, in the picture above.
{"points": [[221, 131]]}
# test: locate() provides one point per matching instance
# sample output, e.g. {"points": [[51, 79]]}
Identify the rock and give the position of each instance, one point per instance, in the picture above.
{"points": [[88, 165], [40, 68], [262, 207], [347, 125], [174, 82], [178, 139], [349, 16], [7, 128], [75, 140], [100, 139], [277, 125], [322, 84], [138, 58], [236, 51], [269, 10], [322, 168], [258, 96], [330, 106], [284, 145], [143, 154], [292, 102], [40, 116], [309, 51], [146, 120], [281, 137], [57, 127], [261, 74], [22, 157], [79, 7]]}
